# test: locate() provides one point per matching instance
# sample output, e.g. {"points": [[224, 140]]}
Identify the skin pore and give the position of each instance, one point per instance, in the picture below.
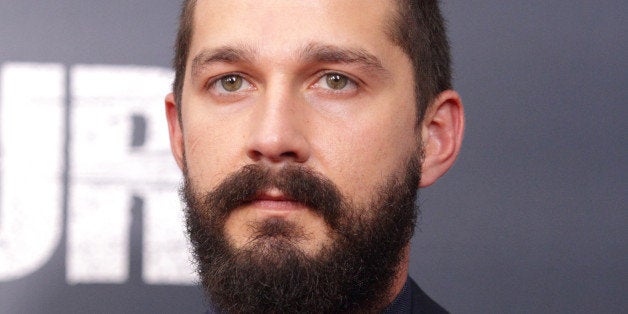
{"points": [[318, 84]]}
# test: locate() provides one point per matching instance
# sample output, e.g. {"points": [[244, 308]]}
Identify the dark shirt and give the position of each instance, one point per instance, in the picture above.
{"points": [[413, 300]]}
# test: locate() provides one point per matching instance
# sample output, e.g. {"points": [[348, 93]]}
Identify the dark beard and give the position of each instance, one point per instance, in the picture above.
{"points": [[271, 274]]}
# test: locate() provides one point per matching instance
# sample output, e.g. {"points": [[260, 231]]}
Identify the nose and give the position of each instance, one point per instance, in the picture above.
{"points": [[278, 129]]}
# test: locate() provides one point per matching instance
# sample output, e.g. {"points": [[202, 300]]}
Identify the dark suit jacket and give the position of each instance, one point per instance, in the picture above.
{"points": [[412, 300]]}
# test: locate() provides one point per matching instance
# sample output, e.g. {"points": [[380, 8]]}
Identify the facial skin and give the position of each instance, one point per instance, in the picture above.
{"points": [[317, 84]]}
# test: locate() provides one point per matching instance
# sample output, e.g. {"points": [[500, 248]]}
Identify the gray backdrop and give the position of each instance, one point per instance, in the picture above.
{"points": [[533, 216]]}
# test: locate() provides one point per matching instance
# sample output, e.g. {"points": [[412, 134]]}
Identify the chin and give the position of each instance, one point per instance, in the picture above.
{"points": [[273, 232]]}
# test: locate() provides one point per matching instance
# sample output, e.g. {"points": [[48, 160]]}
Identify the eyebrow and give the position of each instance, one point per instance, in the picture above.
{"points": [[311, 53], [226, 54], [315, 52]]}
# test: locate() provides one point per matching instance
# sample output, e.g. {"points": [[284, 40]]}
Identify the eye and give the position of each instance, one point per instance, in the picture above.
{"points": [[335, 82], [230, 83]]}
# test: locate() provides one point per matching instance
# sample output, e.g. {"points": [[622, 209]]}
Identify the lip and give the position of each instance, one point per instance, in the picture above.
{"points": [[275, 202], [273, 195]]}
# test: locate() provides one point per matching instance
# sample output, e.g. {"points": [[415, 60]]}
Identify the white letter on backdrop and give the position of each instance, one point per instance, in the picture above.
{"points": [[31, 161]]}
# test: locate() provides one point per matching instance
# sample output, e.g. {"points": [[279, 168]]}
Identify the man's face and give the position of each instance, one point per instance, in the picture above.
{"points": [[349, 119], [299, 89]]}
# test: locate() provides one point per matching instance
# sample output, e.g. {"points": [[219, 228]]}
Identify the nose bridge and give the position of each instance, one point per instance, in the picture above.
{"points": [[277, 131]]}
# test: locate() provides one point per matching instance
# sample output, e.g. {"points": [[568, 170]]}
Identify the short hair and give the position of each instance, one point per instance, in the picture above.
{"points": [[417, 27], [182, 49]]}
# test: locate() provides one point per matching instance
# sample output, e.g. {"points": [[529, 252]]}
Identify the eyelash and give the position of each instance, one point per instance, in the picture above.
{"points": [[352, 84], [214, 83]]}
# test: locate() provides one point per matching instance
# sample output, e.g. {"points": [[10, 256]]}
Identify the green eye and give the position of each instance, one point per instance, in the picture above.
{"points": [[231, 83], [336, 81]]}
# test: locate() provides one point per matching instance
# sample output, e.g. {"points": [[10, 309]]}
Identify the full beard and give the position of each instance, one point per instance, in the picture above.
{"points": [[354, 272]]}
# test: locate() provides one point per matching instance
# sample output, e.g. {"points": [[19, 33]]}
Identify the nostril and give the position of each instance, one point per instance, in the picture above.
{"points": [[255, 155], [291, 155]]}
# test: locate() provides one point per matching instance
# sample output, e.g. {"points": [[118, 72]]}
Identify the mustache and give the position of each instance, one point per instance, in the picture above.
{"points": [[298, 183]]}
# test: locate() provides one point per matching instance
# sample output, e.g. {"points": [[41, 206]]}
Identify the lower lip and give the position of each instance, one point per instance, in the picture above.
{"points": [[277, 206]]}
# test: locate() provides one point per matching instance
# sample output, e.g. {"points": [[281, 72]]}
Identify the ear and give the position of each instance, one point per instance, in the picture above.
{"points": [[441, 131], [174, 130]]}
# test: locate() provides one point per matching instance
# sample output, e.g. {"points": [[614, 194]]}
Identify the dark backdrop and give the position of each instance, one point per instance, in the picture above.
{"points": [[533, 216]]}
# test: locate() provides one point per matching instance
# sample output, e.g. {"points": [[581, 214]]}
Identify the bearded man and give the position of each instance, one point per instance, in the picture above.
{"points": [[303, 130]]}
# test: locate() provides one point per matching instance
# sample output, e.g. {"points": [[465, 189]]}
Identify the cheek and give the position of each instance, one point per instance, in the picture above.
{"points": [[212, 148], [364, 153]]}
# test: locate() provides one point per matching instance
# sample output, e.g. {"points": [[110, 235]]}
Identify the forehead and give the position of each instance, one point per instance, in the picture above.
{"points": [[279, 26]]}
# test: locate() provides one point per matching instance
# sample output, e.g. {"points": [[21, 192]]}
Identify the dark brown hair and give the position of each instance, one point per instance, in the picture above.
{"points": [[182, 49], [418, 28]]}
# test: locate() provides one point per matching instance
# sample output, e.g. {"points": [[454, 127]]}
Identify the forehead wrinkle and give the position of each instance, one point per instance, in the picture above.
{"points": [[316, 52], [224, 54]]}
